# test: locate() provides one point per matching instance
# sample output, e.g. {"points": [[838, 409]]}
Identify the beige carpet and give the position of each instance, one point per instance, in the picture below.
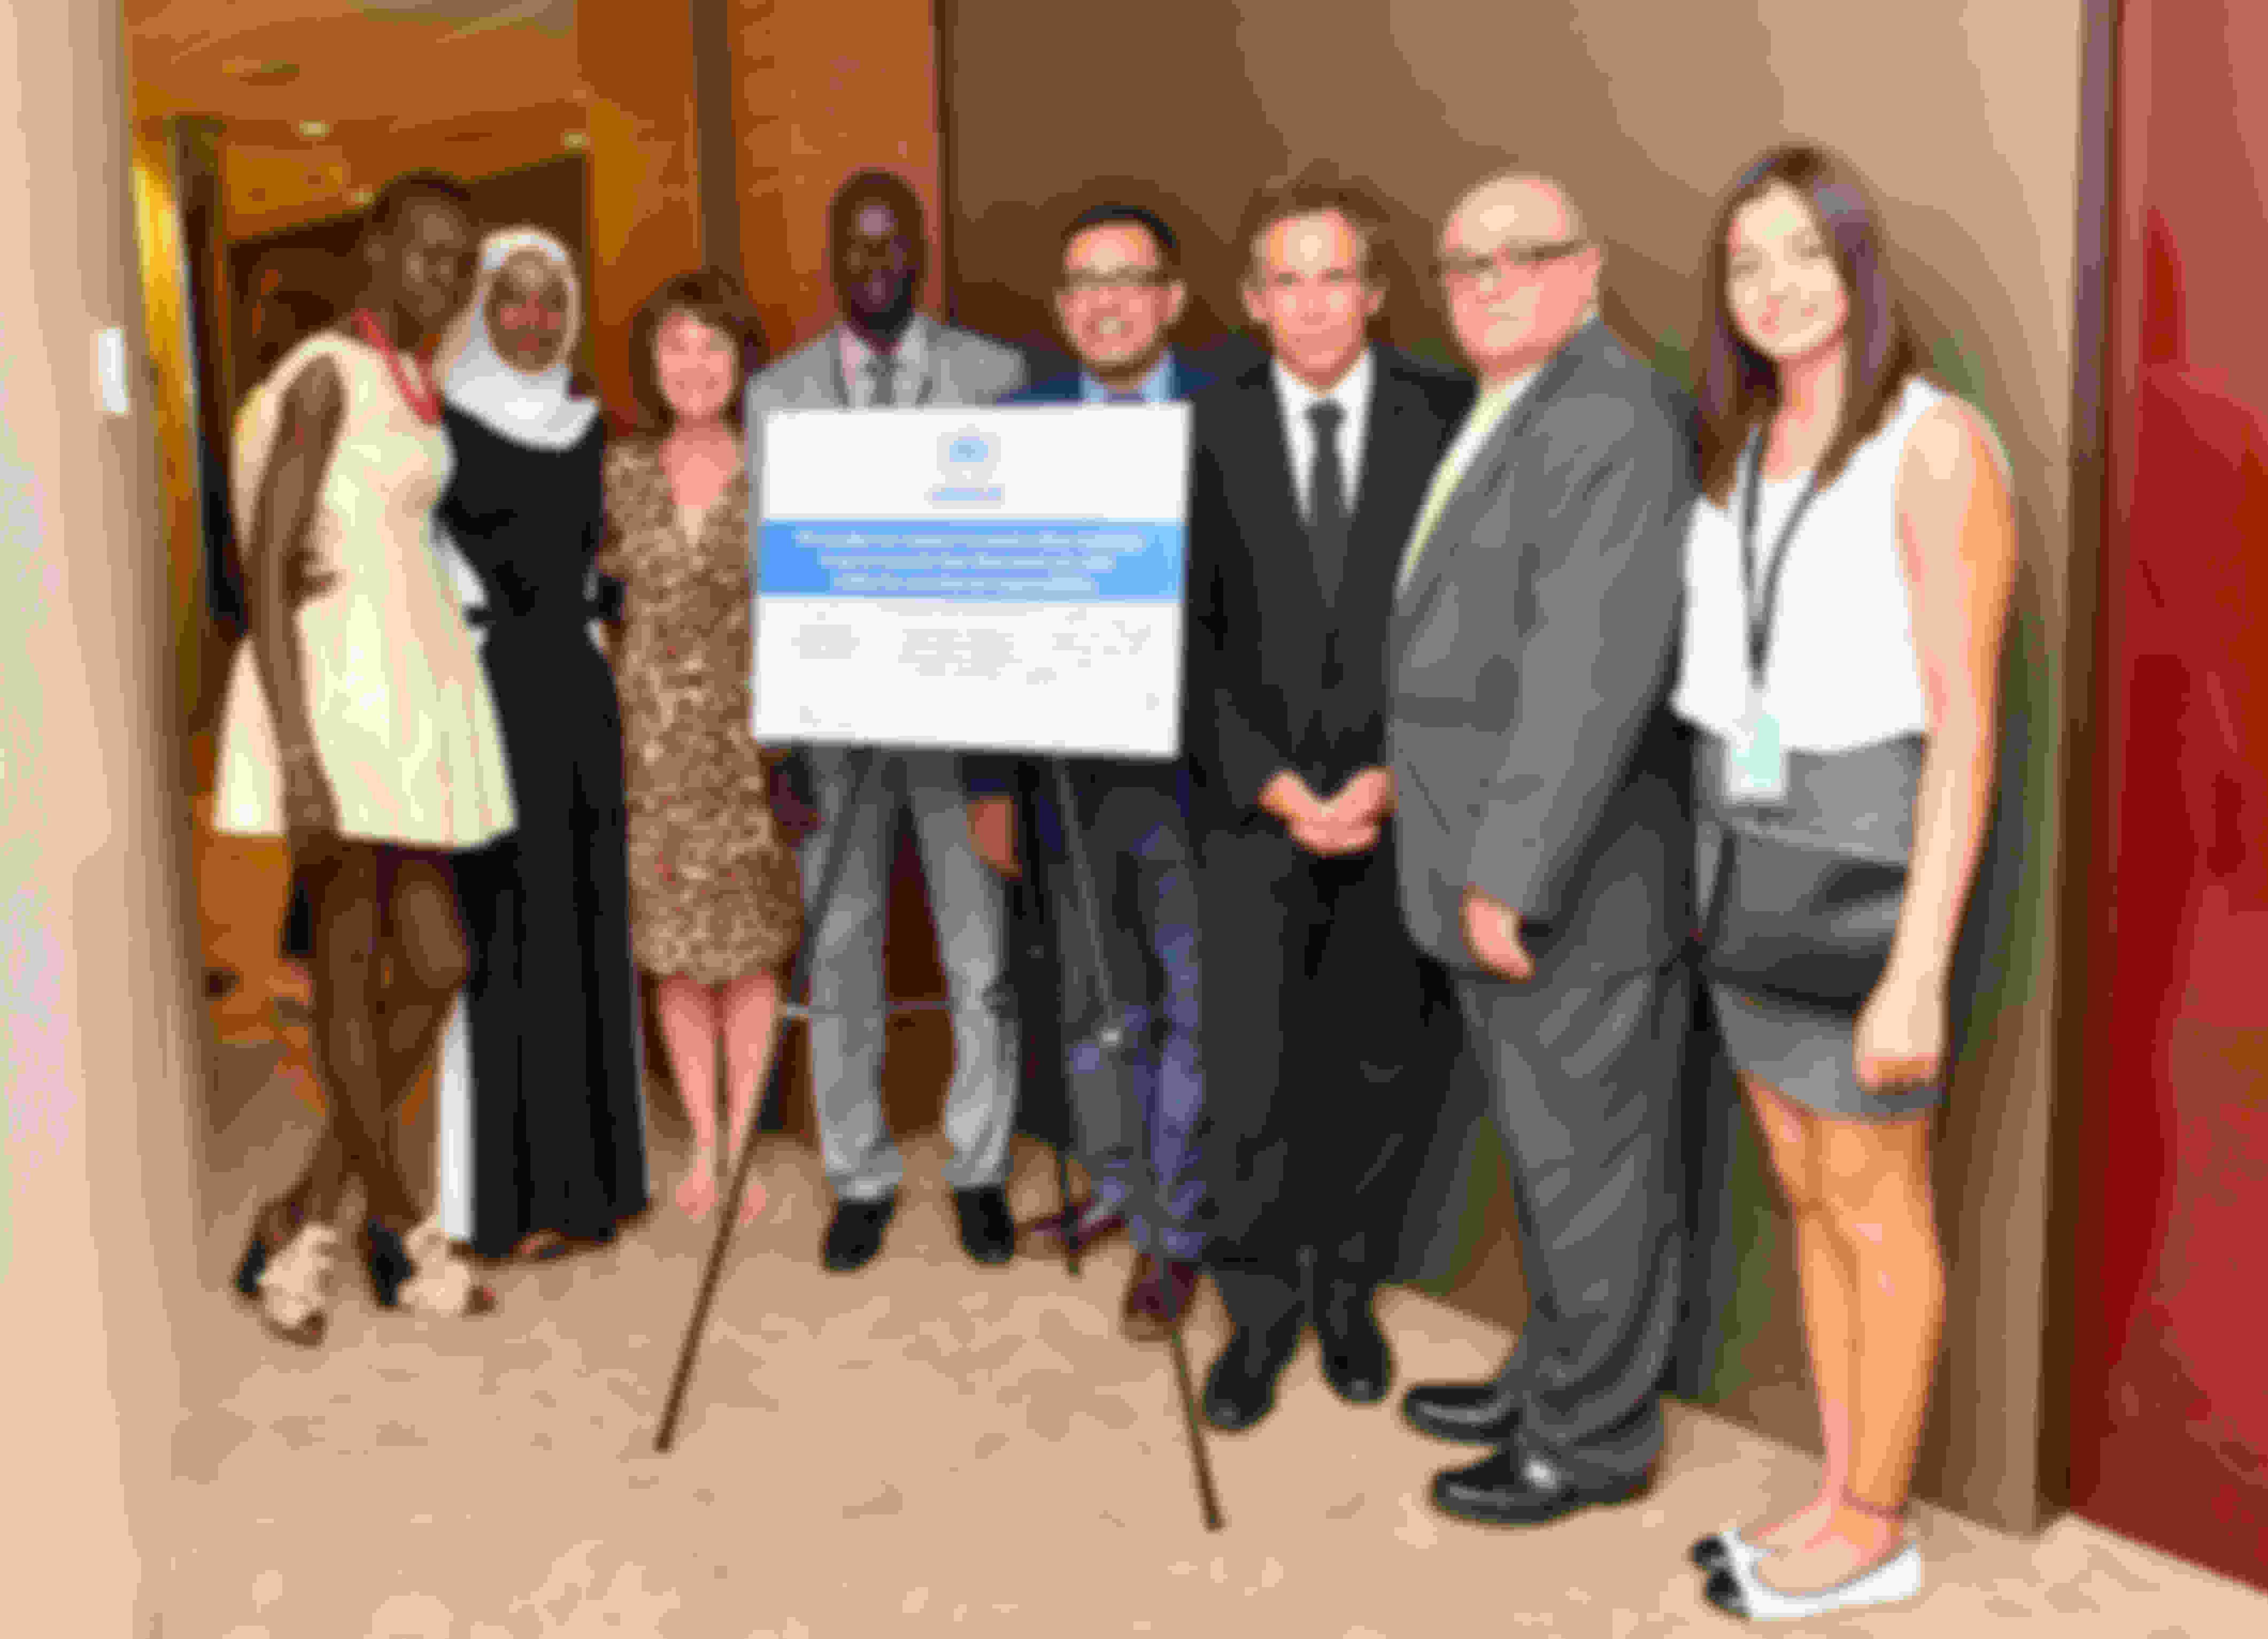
{"points": [[928, 1447]]}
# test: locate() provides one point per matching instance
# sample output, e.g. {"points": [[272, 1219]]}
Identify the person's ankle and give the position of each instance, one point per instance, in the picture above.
{"points": [[1867, 1526], [1802, 1528]]}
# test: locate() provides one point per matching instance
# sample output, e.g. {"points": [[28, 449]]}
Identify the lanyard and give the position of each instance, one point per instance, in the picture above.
{"points": [[1759, 614]]}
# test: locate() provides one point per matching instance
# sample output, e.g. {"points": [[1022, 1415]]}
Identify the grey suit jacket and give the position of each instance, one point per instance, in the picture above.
{"points": [[964, 368], [1532, 654]]}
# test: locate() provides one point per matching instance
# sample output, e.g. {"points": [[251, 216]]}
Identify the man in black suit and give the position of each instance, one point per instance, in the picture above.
{"points": [[1330, 1039]]}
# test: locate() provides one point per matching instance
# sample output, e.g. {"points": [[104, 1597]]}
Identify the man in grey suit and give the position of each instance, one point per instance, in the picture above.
{"points": [[884, 354], [1545, 840]]}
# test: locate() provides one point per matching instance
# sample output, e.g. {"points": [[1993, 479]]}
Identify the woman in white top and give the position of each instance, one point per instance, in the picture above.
{"points": [[1842, 634], [359, 727]]}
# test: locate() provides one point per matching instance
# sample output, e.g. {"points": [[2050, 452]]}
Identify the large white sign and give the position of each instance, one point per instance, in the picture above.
{"points": [[981, 580]]}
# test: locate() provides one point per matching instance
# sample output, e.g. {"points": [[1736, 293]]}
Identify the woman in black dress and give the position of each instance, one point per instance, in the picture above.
{"points": [[542, 1128]]}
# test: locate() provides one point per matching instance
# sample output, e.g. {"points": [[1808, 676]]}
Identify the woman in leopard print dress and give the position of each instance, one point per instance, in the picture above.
{"points": [[716, 898]]}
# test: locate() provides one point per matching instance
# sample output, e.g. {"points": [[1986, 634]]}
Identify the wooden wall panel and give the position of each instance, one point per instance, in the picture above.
{"points": [[818, 100], [646, 226]]}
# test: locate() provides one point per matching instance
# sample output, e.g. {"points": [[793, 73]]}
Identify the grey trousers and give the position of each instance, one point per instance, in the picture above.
{"points": [[1584, 1080], [861, 1160]]}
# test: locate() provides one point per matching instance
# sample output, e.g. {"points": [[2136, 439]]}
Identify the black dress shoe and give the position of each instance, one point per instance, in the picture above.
{"points": [[1482, 1414], [987, 1232], [1357, 1362], [855, 1234], [1240, 1388], [1516, 1487]]}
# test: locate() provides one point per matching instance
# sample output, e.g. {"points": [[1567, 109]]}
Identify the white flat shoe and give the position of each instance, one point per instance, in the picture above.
{"points": [[1735, 1591]]}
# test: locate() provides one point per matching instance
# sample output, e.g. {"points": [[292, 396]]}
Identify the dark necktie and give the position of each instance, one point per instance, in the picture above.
{"points": [[1125, 398], [884, 372], [1327, 512]]}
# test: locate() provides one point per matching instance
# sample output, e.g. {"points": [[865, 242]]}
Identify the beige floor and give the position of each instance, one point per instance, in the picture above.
{"points": [[926, 1447]]}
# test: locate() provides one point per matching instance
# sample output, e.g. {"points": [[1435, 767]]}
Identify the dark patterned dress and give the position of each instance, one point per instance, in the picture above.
{"points": [[714, 891]]}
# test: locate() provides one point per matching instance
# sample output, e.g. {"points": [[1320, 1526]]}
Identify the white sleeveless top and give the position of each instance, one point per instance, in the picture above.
{"points": [[1842, 671]]}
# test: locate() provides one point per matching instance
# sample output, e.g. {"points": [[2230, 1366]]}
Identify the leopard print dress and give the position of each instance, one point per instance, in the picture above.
{"points": [[714, 891]]}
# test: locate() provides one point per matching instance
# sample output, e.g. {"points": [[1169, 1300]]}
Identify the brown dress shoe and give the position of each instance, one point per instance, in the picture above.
{"points": [[1093, 1226], [1149, 1313]]}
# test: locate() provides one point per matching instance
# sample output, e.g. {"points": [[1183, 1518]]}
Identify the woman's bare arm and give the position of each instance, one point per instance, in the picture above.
{"points": [[1958, 530], [284, 516]]}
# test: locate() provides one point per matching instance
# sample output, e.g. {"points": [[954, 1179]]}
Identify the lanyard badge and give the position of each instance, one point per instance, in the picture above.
{"points": [[1755, 768]]}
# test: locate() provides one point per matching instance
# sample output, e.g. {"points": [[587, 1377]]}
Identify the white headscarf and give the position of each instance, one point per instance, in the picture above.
{"points": [[536, 411]]}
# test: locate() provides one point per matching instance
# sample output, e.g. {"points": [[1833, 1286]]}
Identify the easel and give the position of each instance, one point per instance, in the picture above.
{"points": [[1109, 1034]]}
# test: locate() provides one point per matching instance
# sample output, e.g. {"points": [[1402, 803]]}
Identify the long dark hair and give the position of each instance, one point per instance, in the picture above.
{"points": [[1739, 386]]}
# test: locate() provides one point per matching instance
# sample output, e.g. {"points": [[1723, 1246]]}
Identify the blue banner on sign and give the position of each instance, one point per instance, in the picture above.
{"points": [[989, 561]]}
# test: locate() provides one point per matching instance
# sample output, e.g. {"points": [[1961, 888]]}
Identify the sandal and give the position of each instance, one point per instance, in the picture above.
{"points": [[541, 1246], [292, 1286], [423, 1273]]}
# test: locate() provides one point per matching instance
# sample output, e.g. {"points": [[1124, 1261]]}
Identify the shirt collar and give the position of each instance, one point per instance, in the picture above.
{"points": [[1502, 396], [1156, 387], [1352, 394], [911, 356]]}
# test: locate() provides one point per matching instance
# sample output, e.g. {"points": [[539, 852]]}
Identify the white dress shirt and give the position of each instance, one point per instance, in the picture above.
{"points": [[1352, 395], [910, 364]]}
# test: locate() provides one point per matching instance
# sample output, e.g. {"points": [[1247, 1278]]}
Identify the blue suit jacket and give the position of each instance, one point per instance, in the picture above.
{"points": [[992, 775]]}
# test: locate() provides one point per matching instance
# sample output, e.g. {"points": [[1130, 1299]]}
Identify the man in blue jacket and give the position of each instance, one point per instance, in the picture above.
{"points": [[1121, 294]]}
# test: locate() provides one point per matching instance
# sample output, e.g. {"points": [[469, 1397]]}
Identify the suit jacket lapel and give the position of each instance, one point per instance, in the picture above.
{"points": [[1484, 475], [1394, 472], [1280, 528], [933, 362], [837, 383]]}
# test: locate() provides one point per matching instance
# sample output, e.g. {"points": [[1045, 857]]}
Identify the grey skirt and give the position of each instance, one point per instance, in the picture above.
{"points": [[1807, 1054]]}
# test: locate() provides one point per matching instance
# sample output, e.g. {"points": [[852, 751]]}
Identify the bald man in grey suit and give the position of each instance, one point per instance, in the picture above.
{"points": [[1545, 842]]}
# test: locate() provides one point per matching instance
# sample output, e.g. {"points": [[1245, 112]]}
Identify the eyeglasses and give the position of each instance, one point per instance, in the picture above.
{"points": [[1118, 282], [1510, 261]]}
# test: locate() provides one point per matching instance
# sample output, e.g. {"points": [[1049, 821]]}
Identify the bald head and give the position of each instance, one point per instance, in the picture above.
{"points": [[1512, 202], [1519, 271]]}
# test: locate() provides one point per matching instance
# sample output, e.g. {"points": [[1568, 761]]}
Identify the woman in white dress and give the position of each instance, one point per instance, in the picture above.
{"points": [[361, 729], [1848, 573]]}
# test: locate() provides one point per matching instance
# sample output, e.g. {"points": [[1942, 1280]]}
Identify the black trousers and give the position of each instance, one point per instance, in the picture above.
{"points": [[1329, 1043]]}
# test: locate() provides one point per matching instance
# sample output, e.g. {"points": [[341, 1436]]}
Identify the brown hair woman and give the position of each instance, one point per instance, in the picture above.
{"points": [[716, 898], [1848, 574], [360, 728]]}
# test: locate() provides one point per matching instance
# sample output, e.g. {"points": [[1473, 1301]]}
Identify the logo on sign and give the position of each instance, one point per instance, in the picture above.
{"points": [[968, 460]]}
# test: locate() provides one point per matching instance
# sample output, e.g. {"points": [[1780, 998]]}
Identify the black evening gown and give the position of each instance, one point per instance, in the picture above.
{"points": [[557, 1117]]}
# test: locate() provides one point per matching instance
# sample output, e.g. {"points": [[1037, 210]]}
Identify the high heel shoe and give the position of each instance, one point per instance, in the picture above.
{"points": [[290, 1284], [420, 1272]]}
